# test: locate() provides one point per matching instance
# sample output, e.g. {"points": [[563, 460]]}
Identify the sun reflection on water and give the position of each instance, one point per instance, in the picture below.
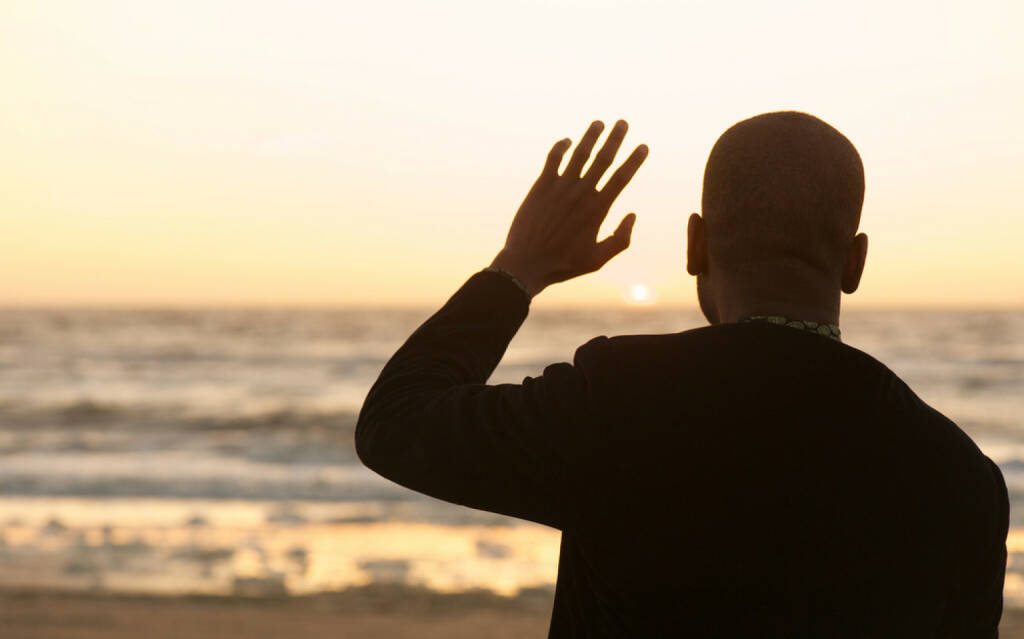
{"points": [[189, 546]]}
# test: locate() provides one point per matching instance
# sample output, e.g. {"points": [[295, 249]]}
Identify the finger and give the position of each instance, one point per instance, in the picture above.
{"points": [[606, 155], [617, 242], [624, 174], [583, 149], [555, 156]]}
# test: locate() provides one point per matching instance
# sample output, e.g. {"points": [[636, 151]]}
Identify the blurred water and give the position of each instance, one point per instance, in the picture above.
{"points": [[176, 411]]}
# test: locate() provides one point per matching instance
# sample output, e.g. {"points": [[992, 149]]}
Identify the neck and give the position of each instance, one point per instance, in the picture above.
{"points": [[734, 312], [815, 304]]}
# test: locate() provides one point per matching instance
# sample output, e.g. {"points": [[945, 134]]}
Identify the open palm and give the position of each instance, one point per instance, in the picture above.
{"points": [[554, 233]]}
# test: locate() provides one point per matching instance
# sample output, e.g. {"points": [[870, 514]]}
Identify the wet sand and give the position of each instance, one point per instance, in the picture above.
{"points": [[368, 613]]}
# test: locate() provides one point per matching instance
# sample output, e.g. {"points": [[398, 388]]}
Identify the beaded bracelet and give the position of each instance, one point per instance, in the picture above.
{"points": [[515, 280]]}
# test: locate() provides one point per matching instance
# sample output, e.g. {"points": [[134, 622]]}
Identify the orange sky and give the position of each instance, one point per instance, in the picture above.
{"points": [[336, 153]]}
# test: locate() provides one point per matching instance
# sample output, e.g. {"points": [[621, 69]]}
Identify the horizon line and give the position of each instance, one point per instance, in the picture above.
{"points": [[420, 306]]}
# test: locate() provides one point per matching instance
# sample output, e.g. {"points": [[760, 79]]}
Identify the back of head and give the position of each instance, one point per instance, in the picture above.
{"points": [[782, 199]]}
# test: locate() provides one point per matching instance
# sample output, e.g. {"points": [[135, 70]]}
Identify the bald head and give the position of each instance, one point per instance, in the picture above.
{"points": [[782, 194]]}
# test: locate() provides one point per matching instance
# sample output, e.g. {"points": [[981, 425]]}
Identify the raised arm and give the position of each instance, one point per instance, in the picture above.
{"points": [[431, 423]]}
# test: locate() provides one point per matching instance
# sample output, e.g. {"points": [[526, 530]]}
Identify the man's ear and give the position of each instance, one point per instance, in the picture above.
{"points": [[854, 266], [696, 246]]}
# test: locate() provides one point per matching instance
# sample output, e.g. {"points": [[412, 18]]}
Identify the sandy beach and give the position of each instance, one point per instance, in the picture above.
{"points": [[362, 612], [368, 613]]}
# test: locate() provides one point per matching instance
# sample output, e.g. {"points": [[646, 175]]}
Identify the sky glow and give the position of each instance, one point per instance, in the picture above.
{"points": [[340, 153]]}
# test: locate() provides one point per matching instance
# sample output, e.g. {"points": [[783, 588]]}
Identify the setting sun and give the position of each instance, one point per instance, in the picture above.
{"points": [[640, 294]]}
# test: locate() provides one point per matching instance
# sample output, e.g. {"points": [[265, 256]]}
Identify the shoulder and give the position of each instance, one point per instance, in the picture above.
{"points": [[637, 344], [946, 454], [721, 343], [615, 355], [653, 369]]}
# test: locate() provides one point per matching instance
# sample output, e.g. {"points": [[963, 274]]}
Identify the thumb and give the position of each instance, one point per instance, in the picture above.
{"points": [[617, 242]]}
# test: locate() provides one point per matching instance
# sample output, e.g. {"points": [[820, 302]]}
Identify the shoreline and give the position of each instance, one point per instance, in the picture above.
{"points": [[377, 610]]}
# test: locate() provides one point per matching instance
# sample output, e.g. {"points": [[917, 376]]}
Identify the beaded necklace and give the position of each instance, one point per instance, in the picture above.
{"points": [[830, 331]]}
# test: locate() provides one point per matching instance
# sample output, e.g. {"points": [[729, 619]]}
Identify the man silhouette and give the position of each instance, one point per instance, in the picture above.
{"points": [[752, 478]]}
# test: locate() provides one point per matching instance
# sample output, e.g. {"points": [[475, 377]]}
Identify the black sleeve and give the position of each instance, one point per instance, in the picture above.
{"points": [[994, 562], [978, 604], [430, 422]]}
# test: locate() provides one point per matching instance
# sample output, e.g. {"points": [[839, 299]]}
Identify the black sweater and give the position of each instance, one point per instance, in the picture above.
{"points": [[736, 480]]}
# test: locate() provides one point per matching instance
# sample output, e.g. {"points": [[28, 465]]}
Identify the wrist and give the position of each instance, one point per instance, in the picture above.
{"points": [[519, 269]]}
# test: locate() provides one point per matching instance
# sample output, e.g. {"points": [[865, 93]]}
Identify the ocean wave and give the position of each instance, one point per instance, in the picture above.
{"points": [[275, 437], [139, 416], [162, 477]]}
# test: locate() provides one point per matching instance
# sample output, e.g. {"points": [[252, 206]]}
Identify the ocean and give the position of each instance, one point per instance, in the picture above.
{"points": [[211, 451]]}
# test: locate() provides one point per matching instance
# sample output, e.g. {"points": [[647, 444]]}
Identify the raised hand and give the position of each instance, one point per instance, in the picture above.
{"points": [[554, 234]]}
